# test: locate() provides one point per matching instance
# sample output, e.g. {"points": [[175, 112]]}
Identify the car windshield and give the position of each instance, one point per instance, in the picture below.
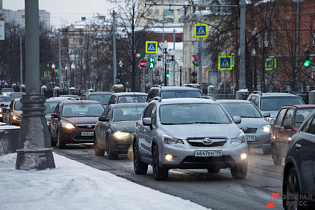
{"points": [[245, 110], [193, 93], [301, 114], [275, 103], [7, 90], [132, 99], [5, 99], [17, 105], [193, 113], [103, 98], [50, 107], [127, 113], [82, 110]]}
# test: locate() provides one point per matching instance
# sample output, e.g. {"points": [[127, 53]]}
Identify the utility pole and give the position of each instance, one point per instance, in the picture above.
{"points": [[174, 58], [114, 46], [59, 59], [21, 61], [242, 46], [296, 75]]}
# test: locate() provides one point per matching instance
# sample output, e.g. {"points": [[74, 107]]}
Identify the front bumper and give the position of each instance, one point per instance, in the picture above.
{"points": [[121, 145], [69, 136], [185, 158], [262, 140]]}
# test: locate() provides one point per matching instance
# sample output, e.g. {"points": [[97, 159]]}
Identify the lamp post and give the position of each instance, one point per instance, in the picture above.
{"points": [[165, 46], [53, 74], [72, 74], [66, 69]]}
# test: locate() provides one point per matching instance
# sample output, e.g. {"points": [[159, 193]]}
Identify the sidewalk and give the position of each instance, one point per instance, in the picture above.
{"points": [[72, 185]]}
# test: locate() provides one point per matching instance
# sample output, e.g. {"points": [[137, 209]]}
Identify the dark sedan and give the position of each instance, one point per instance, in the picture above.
{"points": [[298, 186], [114, 131], [74, 122]]}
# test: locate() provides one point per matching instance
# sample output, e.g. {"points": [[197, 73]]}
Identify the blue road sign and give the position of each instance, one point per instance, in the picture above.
{"points": [[151, 47], [201, 30], [225, 63]]}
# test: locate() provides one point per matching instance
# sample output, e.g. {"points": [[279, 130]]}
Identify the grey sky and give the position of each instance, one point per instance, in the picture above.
{"points": [[64, 12]]}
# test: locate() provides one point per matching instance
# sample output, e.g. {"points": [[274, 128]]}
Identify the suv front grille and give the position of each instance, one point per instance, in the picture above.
{"points": [[206, 142], [86, 126]]}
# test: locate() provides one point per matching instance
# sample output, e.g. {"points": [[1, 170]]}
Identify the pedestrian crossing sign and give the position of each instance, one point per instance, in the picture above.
{"points": [[270, 64], [225, 63], [151, 47], [201, 30]]}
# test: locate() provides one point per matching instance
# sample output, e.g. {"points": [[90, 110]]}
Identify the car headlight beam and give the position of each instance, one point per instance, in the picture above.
{"points": [[266, 129], [120, 134], [67, 125]]}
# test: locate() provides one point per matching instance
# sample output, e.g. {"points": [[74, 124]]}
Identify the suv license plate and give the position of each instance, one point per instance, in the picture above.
{"points": [[208, 153], [250, 138], [87, 133]]}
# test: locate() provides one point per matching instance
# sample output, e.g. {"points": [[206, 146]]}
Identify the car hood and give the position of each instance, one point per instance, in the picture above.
{"points": [[124, 126], [81, 120], [202, 130], [252, 122], [273, 114]]}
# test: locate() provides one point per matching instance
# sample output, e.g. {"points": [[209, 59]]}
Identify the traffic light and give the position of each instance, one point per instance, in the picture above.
{"points": [[194, 77], [196, 60], [307, 58], [138, 55], [151, 63], [56, 70], [167, 73]]}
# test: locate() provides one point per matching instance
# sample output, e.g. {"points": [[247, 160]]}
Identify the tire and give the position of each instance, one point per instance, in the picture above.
{"points": [[292, 190], [60, 144], [277, 159], [138, 166], [214, 170], [112, 155], [97, 150], [266, 151], [158, 172], [239, 171]]}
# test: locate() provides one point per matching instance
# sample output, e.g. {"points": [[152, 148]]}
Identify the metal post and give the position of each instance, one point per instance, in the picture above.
{"points": [[114, 46], [200, 65], [59, 59], [34, 151], [174, 58], [180, 76], [242, 46], [296, 76], [165, 64], [21, 61]]}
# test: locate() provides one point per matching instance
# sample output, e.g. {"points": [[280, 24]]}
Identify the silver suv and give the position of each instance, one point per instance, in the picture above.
{"points": [[188, 133]]}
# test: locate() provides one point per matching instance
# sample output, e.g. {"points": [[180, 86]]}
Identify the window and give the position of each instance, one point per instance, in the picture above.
{"points": [[156, 11], [280, 117], [288, 117], [147, 111], [312, 126], [153, 115], [149, 11], [178, 39]]}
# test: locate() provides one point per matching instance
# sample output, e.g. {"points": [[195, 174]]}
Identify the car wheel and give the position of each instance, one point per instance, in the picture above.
{"points": [[112, 155], [292, 190], [214, 170], [60, 144], [266, 151], [138, 166], [277, 159], [97, 150], [239, 171], [158, 172]]}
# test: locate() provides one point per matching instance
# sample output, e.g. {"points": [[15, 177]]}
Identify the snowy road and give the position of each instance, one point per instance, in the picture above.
{"points": [[216, 191]]}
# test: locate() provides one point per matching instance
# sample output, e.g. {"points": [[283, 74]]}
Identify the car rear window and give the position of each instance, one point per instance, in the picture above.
{"points": [[132, 99], [103, 98], [245, 110], [275, 103], [180, 94]]}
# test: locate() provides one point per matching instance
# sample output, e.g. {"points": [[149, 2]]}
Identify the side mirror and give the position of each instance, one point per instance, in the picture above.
{"points": [[237, 119], [103, 119], [287, 126], [54, 115], [147, 121], [266, 114]]}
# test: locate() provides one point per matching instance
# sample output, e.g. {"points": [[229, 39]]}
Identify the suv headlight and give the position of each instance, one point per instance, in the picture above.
{"points": [[119, 134], [266, 129], [171, 140], [238, 140], [67, 125], [271, 120]]}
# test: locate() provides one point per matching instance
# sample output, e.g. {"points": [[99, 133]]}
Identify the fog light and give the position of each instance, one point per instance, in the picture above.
{"points": [[243, 156], [168, 157]]}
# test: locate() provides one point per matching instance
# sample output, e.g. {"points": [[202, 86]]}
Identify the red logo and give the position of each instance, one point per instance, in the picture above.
{"points": [[273, 199]]}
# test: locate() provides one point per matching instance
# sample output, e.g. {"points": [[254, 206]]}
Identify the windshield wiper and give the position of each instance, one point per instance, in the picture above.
{"points": [[206, 123], [249, 117]]}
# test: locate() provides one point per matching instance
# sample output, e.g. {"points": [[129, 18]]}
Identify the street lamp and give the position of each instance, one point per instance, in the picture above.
{"points": [[72, 75], [165, 46], [53, 74]]}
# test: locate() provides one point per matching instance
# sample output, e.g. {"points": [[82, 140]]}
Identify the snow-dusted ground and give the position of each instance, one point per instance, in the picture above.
{"points": [[72, 185]]}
